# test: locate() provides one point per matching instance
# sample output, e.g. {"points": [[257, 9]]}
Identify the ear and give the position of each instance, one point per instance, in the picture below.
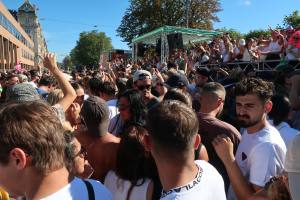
{"points": [[219, 102], [147, 142], [19, 158], [268, 106], [197, 141]]}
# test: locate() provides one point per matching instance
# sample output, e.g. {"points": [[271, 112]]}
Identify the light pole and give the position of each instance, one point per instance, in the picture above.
{"points": [[187, 9]]}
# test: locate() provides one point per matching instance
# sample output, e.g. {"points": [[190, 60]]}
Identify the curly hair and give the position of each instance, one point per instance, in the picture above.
{"points": [[263, 89]]}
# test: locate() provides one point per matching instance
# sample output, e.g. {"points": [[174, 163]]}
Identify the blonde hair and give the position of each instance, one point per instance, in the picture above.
{"points": [[55, 96]]}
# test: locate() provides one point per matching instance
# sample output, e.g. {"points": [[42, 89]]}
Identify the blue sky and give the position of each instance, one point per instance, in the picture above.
{"points": [[63, 20]]}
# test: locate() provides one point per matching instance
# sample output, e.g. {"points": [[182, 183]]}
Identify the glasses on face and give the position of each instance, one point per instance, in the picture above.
{"points": [[143, 87], [159, 84], [82, 153]]}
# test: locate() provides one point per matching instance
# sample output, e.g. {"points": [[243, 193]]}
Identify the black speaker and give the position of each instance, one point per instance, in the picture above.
{"points": [[158, 47], [119, 51], [141, 50], [175, 41]]}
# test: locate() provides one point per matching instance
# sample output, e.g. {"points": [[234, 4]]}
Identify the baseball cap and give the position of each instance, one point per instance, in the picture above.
{"points": [[95, 114], [141, 75], [177, 81], [292, 166], [242, 42], [22, 92], [204, 71]]}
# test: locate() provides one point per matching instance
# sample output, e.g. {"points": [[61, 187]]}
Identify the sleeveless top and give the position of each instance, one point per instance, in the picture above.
{"points": [[274, 47], [119, 187]]}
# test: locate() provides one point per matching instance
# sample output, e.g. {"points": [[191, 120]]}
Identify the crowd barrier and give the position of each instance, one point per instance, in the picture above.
{"points": [[257, 65]]}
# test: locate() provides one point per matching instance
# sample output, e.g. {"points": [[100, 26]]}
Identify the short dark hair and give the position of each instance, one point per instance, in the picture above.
{"points": [[94, 86], [214, 88], [172, 132], [76, 86], [179, 95], [107, 88], [95, 114], [280, 110], [10, 76], [35, 128], [263, 89], [47, 81]]}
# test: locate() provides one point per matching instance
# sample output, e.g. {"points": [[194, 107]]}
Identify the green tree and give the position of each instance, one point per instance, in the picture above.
{"points": [[292, 20], [67, 63], [234, 34], [257, 34], [89, 47], [143, 16]]}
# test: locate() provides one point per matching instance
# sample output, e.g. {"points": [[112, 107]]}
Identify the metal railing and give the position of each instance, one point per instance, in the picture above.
{"points": [[257, 65]]}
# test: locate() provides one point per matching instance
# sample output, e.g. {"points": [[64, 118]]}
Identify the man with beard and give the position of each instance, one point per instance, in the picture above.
{"points": [[261, 153], [142, 80], [212, 102]]}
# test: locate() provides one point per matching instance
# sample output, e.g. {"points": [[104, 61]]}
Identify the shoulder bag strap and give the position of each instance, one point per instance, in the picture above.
{"points": [[90, 190]]}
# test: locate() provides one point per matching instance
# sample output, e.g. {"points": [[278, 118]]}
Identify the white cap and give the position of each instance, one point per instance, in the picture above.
{"points": [[292, 166], [242, 42], [141, 75]]}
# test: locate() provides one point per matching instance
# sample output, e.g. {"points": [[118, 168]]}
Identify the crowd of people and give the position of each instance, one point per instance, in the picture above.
{"points": [[151, 130]]}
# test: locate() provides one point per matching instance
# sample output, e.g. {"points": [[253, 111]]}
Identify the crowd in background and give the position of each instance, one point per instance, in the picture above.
{"points": [[152, 130]]}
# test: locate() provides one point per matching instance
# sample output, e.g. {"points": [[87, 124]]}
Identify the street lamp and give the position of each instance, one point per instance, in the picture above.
{"points": [[187, 9]]}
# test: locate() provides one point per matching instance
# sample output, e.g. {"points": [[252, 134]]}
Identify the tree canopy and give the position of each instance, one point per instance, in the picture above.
{"points": [[89, 47], [143, 16], [292, 20], [234, 34]]}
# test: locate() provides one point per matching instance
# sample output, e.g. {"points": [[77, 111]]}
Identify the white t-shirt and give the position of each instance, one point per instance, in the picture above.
{"points": [[292, 53], [113, 109], [208, 185], [77, 190], [260, 156], [287, 133], [119, 187]]}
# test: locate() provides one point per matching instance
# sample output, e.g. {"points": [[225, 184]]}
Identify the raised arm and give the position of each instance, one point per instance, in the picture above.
{"points": [[242, 188], [66, 87]]}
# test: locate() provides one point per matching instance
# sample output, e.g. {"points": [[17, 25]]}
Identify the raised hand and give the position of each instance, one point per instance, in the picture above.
{"points": [[50, 61], [224, 148]]}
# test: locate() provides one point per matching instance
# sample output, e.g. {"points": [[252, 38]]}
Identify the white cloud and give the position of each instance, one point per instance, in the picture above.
{"points": [[247, 2]]}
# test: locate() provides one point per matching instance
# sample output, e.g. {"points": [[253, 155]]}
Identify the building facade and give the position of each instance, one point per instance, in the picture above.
{"points": [[16, 47], [28, 19]]}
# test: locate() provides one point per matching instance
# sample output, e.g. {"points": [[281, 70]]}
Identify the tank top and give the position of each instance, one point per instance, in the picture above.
{"points": [[119, 187], [274, 47]]}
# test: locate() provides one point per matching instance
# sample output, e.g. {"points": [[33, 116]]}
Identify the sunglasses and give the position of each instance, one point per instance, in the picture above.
{"points": [[82, 153], [159, 84], [143, 87]]}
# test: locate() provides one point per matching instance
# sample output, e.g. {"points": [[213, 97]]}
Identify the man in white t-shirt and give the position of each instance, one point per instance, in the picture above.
{"points": [[172, 140], [33, 159], [279, 115], [261, 152]]}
